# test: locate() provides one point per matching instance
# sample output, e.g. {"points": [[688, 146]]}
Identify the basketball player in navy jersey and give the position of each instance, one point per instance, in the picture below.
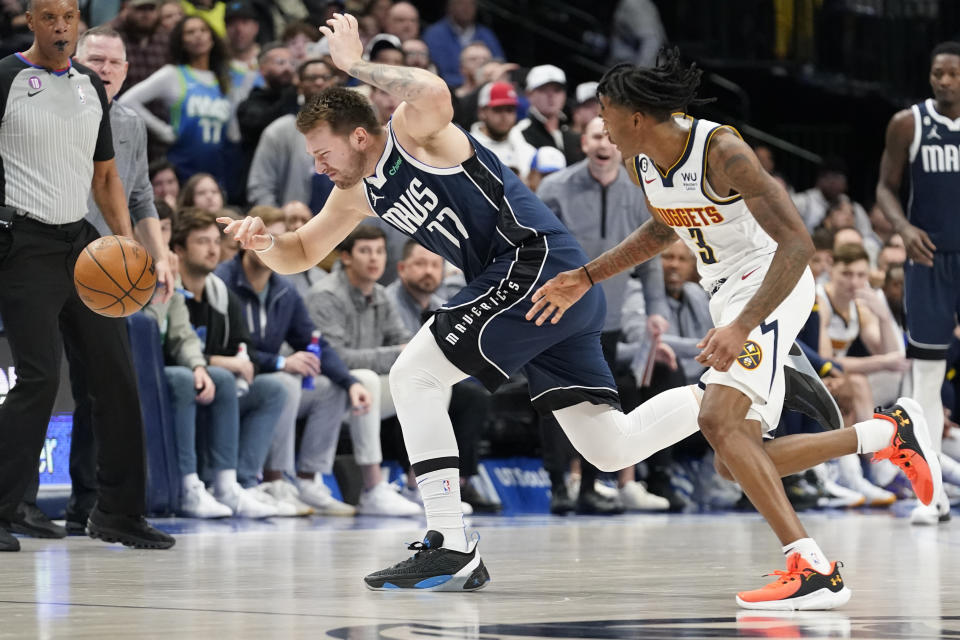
{"points": [[926, 139], [430, 179]]}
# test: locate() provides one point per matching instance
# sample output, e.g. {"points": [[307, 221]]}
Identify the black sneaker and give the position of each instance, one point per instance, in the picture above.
{"points": [[131, 531], [76, 528], [7, 541], [433, 568], [591, 503], [560, 501], [480, 504], [31, 521], [805, 392]]}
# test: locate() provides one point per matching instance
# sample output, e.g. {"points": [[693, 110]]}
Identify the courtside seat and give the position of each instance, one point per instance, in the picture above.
{"points": [[163, 477]]}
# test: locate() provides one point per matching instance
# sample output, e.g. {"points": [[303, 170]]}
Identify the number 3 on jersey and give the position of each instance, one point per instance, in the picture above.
{"points": [[706, 252]]}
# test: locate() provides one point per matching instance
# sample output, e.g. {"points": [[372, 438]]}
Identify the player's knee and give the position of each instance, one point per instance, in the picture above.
{"points": [[409, 379], [711, 425]]}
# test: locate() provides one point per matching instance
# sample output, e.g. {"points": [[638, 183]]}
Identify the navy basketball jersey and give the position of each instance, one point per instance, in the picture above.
{"points": [[935, 176], [470, 213]]}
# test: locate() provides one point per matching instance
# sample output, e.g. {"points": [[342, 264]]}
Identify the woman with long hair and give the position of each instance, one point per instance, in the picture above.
{"points": [[195, 90], [201, 191]]}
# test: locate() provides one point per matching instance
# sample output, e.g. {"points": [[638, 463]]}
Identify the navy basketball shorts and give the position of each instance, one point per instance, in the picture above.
{"points": [[932, 305], [482, 330]]}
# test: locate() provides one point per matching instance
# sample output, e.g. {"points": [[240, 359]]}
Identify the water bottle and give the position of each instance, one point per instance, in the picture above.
{"points": [[242, 385], [315, 349]]}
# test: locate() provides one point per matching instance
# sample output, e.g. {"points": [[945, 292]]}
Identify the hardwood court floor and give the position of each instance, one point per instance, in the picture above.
{"points": [[658, 576]]}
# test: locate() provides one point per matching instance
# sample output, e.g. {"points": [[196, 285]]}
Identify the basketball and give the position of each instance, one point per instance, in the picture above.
{"points": [[114, 276]]}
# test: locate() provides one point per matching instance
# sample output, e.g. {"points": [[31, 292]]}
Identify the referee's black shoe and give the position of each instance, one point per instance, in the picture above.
{"points": [[7, 541], [31, 521], [131, 531]]}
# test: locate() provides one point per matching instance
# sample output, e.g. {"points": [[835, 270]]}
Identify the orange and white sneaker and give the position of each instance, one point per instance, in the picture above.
{"points": [[799, 588], [911, 450]]}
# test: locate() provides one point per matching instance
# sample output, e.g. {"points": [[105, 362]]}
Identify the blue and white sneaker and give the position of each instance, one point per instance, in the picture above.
{"points": [[433, 568]]}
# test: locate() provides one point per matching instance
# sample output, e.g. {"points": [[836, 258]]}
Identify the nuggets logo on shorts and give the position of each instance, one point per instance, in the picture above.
{"points": [[751, 355]]}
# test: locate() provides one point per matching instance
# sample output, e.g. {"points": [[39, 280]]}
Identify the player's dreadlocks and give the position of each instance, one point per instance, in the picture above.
{"points": [[665, 89]]}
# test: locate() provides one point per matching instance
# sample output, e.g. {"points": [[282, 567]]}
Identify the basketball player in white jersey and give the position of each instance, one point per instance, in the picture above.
{"points": [[705, 184]]}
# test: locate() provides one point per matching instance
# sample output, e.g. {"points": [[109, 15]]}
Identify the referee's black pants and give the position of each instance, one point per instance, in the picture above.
{"points": [[39, 304]]}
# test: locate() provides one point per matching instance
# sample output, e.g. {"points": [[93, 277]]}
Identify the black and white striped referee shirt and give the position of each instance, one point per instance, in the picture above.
{"points": [[53, 125]]}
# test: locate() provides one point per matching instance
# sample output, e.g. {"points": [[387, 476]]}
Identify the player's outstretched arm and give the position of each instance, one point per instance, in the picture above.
{"points": [[299, 250], [900, 133], [427, 108], [560, 292]]}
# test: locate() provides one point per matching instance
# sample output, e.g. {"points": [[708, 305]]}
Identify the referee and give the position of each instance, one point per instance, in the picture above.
{"points": [[55, 148]]}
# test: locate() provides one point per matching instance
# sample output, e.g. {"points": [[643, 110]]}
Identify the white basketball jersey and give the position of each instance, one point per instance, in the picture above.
{"points": [[721, 231], [842, 332]]}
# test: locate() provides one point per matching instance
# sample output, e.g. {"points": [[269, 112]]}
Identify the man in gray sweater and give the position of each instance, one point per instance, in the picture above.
{"points": [[281, 169], [359, 320]]}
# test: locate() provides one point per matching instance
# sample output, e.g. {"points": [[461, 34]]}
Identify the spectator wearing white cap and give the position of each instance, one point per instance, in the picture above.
{"points": [[497, 110], [545, 161], [385, 48], [587, 107], [545, 124]]}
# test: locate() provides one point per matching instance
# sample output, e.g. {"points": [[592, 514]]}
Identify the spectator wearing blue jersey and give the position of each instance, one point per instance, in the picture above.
{"points": [[195, 89], [447, 38]]}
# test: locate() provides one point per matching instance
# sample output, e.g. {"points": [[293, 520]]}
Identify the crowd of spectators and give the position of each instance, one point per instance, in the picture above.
{"points": [[264, 370]]}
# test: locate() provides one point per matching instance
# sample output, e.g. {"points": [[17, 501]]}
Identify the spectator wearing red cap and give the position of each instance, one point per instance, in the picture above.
{"points": [[497, 110], [545, 124]]}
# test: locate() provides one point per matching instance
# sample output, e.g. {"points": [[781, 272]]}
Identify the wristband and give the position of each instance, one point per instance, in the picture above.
{"points": [[584, 267], [281, 361], [273, 241]]}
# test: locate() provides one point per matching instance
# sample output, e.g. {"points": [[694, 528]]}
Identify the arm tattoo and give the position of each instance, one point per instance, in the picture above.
{"points": [[650, 239], [404, 82]]}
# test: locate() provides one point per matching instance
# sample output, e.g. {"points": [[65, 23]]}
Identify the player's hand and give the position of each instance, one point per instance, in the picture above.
{"points": [[166, 278], [722, 346], [204, 385], [657, 325], [359, 399], [919, 246], [302, 363], [250, 233], [343, 34], [557, 295]]}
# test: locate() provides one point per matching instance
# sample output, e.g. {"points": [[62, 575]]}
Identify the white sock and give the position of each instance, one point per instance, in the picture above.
{"points": [[927, 380], [810, 551], [612, 440], [440, 491], [225, 481], [190, 480], [873, 434]]}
